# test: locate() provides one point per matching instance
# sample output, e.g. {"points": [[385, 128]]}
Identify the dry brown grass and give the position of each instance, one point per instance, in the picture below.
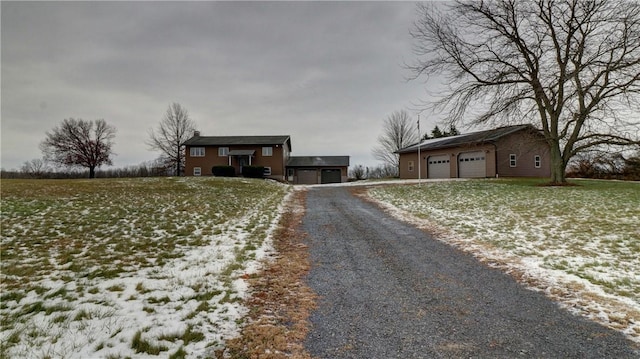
{"points": [[281, 301]]}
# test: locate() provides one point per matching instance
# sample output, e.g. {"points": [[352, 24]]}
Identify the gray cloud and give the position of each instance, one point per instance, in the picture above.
{"points": [[325, 73]]}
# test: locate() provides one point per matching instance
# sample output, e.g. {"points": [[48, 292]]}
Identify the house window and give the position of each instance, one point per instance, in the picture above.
{"points": [[537, 161], [410, 166], [197, 171], [512, 160], [223, 151], [267, 151], [196, 151], [267, 171]]}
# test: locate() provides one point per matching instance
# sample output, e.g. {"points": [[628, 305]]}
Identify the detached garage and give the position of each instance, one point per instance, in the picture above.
{"points": [[511, 151], [317, 169]]}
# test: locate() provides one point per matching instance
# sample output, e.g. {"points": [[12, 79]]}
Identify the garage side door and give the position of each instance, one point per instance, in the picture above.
{"points": [[438, 166], [307, 177], [331, 176], [472, 164]]}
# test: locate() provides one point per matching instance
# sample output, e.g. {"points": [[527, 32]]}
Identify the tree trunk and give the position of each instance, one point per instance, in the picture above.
{"points": [[178, 158], [558, 166], [92, 172]]}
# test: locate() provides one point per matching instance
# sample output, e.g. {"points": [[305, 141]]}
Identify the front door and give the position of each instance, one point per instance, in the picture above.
{"points": [[243, 161]]}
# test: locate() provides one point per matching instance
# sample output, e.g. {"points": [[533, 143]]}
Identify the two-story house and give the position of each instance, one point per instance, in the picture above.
{"points": [[271, 152]]}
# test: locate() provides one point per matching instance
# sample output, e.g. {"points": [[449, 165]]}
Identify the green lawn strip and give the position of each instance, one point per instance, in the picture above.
{"points": [[85, 233]]}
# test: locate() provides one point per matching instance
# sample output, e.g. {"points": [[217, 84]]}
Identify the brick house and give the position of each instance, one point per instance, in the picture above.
{"points": [[271, 152], [511, 151]]}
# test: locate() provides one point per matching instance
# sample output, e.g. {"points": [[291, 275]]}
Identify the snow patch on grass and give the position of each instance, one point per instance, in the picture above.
{"points": [[130, 268], [580, 245]]}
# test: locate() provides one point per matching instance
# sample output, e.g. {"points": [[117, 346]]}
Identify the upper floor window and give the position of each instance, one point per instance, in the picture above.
{"points": [[196, 151], [223, 151], [537, 161], [267, 151], [512, 160]]}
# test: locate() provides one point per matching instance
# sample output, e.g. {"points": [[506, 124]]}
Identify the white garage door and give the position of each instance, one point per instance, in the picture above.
{"points": [[472, 164], [307, 177], [438, 166]]}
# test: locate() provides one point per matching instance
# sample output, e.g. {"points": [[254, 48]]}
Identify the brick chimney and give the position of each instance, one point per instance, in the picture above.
{"points": [[196, 133]]}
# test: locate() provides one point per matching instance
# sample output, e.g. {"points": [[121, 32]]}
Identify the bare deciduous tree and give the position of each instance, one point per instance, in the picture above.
{"points": [[174, 129], [358, 172], [399, 131], [77, 142], [36, 168], [570, 67]]}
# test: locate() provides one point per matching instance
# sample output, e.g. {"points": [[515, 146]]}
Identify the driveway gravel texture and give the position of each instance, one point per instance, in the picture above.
{"points": [[389, 290]]}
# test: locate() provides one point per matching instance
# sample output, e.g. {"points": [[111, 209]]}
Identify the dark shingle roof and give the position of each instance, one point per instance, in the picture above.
{"points": [[472, 138], [318, 161], [241, 152], [238, 140]]}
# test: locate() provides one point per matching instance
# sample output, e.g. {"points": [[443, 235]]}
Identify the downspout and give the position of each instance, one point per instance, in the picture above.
{"points": [[495, 159]]}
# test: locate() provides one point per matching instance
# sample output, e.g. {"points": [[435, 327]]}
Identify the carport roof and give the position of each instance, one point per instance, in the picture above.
{"points": [[318, 161], [241, 152], [466, 139]]}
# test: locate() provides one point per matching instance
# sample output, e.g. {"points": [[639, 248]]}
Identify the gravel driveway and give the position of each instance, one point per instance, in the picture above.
{"points": [[388, 290]]}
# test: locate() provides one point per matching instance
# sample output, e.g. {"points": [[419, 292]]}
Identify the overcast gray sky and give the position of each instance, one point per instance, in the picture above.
{"points": [[327, 74]]}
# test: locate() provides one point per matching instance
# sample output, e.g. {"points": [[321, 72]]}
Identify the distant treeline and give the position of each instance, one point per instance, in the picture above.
{"points": [[606, 166], [37, 170]]}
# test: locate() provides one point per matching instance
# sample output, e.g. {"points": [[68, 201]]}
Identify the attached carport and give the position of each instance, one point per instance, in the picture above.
{"points": [[307, 176], [317, 169], [332, 175]]}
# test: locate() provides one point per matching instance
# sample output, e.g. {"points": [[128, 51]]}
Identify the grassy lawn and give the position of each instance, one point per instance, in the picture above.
{"points": [[127, 268], [580, 244]]}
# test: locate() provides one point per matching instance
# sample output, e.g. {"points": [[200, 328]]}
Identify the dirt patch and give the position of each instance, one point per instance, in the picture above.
{"points": [[281, 301]]}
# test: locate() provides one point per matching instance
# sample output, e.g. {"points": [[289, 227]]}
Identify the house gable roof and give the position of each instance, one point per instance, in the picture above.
{"points": [[473, 138], [238, 140], [318, 161]]}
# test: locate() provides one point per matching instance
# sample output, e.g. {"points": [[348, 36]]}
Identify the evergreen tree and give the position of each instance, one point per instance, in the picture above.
{"points": [[437, 133]]}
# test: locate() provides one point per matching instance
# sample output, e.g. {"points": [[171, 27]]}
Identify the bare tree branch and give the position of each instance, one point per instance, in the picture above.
{"points": [[570, 66]]}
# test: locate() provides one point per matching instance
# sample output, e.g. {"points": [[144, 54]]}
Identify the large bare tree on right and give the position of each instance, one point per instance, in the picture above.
{"points": [[569, 67]]}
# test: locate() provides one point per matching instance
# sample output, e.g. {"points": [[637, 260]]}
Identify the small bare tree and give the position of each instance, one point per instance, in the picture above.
{"points": [[399, 131], [358, 172], [80, 143], [36, 168], [174, 129], [570, 67]]}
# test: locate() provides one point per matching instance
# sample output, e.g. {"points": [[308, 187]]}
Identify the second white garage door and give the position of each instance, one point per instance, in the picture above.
{"points": [[438, 166], [472, 165]]}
